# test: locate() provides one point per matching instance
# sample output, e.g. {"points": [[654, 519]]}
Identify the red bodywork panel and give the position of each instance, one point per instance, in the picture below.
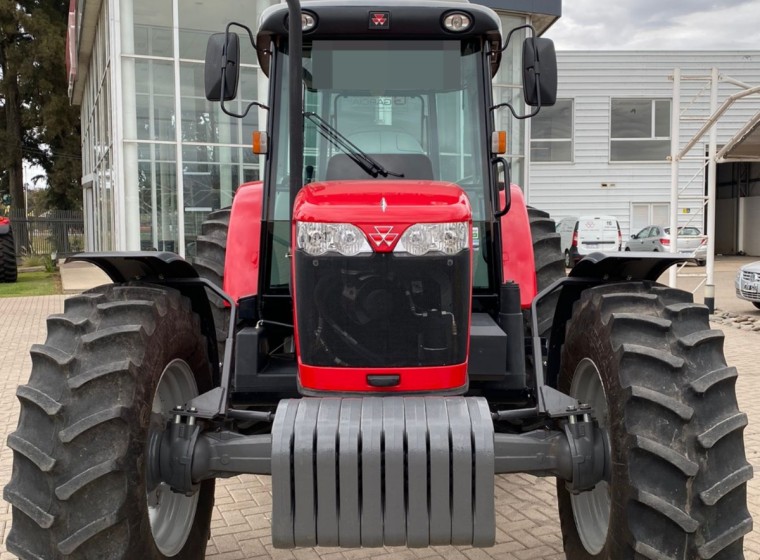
{"points": [[4, 220], [367, 204], [517, 248], [241, 266], [354, 380]]}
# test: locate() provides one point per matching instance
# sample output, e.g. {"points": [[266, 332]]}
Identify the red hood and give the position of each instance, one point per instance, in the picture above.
{"points": [[382, 202]]}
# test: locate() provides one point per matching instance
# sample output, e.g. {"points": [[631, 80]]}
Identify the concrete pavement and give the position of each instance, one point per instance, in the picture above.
{"points": [[527, 522]]}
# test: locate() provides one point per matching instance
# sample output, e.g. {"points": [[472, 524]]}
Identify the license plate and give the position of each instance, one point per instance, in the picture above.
{"points": [[749, 287], [592, 245]]}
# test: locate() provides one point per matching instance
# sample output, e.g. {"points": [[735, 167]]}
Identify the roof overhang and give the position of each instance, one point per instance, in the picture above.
{"points": [[745, 145], [543, 12], [90, 10]]}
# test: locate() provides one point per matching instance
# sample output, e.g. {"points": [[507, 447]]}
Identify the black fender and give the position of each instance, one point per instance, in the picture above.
{"points": [[594, 270], [166, 269]]}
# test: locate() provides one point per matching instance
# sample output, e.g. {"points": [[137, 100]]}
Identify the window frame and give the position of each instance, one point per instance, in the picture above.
{"points": [[652, 130], [571, 139]]}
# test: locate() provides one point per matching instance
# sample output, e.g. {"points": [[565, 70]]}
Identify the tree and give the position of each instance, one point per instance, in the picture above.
{"points": [[37, 123]]}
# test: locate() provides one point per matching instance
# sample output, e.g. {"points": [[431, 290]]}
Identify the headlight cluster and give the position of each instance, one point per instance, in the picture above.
{"points": [[317, 239], [449, 238]]}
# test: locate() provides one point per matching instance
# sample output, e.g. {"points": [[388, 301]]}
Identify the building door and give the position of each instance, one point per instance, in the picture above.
{"points": [[648, 214]]}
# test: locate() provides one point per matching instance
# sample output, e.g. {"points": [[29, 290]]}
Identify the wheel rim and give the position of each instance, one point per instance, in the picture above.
{"points": [[171, 515], [591, 509]]}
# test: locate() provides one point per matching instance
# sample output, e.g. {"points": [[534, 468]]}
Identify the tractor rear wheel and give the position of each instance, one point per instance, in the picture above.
{"points": [[8, 268], [644, 357], [549, 262], [209, 261], [102, 388]]}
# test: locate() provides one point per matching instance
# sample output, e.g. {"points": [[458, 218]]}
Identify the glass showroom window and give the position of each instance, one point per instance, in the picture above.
{"points": [[640, 129], [552, 133], [507, 88]]}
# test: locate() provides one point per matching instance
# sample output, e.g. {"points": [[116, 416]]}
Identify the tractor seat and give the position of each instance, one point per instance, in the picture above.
{"points": [[414, 166]]}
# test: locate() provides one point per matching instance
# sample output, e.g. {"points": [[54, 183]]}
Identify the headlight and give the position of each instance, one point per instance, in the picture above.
{"points": [[317, 239], [457, 21], [420, 239]]}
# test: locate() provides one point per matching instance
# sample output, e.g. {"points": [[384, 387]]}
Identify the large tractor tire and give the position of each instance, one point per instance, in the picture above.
{"points": [[549, 262], [209, 262], [8, 268], [102, 388], [644, 357]]}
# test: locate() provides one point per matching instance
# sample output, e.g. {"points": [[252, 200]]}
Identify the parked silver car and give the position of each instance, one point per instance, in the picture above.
{"points": [[748, 283], [657, 238]]}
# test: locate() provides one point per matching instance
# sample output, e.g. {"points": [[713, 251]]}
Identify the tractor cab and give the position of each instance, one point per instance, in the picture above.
{"points": [[383, 197]]}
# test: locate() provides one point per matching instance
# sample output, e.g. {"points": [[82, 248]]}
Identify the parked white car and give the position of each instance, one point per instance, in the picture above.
{"points": [[657, 239], [588, 234], [748, 283]]}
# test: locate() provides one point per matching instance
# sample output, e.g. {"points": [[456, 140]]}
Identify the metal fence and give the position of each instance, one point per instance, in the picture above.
{"points": [[56, 232]]}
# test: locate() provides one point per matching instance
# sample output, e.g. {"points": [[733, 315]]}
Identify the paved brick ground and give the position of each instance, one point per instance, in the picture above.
{"points": [[527, 524]]}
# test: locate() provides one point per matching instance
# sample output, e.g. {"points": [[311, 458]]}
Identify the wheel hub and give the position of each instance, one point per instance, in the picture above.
{"points": [[591, 509], [171, 514]]}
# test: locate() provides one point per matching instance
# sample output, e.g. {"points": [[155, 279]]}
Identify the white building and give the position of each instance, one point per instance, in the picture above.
{"points": [[602, 149]]}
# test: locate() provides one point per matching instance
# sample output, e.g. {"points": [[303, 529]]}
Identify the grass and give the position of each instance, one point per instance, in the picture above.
{"points": [[32, 284]]}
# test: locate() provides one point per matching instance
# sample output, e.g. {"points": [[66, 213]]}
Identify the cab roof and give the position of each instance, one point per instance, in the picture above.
{"points": [[342, 19]]}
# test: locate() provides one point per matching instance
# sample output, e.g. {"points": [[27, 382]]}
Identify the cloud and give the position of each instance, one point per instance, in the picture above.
{"points": [[658, 24]]}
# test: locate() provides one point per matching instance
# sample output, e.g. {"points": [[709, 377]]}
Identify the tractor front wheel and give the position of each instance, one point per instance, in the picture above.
{"points": [[102, 388], [644, 357]]}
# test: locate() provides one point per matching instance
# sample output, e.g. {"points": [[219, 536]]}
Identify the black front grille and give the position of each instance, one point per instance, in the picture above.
{"points": [[382, 310]]}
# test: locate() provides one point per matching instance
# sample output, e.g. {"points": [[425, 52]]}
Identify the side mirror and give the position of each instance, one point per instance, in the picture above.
{"points": [[634, 236], [222, 56], [539, 72]]}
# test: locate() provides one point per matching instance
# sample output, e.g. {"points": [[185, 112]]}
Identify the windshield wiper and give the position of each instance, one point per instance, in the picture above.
{"points": [[370, 165]]}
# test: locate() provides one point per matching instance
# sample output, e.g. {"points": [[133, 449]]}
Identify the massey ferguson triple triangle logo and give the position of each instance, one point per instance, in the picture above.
{"points": [[379, 20], [383, 234]]}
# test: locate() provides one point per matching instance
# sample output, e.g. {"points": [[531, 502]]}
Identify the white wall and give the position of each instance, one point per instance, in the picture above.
{"points": [[749, 209], [591, 79]]}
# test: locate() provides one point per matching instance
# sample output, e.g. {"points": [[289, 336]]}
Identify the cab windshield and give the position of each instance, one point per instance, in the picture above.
{"points": [[388, 110], [385, 109]]}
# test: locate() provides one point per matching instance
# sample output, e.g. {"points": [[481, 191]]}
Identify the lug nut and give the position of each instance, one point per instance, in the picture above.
{"points": [[572, 408]]}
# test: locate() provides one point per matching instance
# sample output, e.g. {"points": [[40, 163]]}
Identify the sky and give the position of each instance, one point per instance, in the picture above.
{"points": [[658, 25]]}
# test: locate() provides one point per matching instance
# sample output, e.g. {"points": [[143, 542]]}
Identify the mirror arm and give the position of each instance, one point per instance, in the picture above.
{"points": [[225, 63], [509, 37], [247, 109], [514, 114], [250, 36]]}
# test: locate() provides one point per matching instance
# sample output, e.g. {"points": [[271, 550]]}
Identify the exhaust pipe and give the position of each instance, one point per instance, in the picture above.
{"points": [[295, 99]]}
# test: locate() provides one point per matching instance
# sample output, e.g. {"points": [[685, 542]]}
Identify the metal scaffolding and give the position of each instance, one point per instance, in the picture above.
{"points": [[713, 157]]}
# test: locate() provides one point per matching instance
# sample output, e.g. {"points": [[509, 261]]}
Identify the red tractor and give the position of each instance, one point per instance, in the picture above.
{"points": [[382, 325], [8, 265]]}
